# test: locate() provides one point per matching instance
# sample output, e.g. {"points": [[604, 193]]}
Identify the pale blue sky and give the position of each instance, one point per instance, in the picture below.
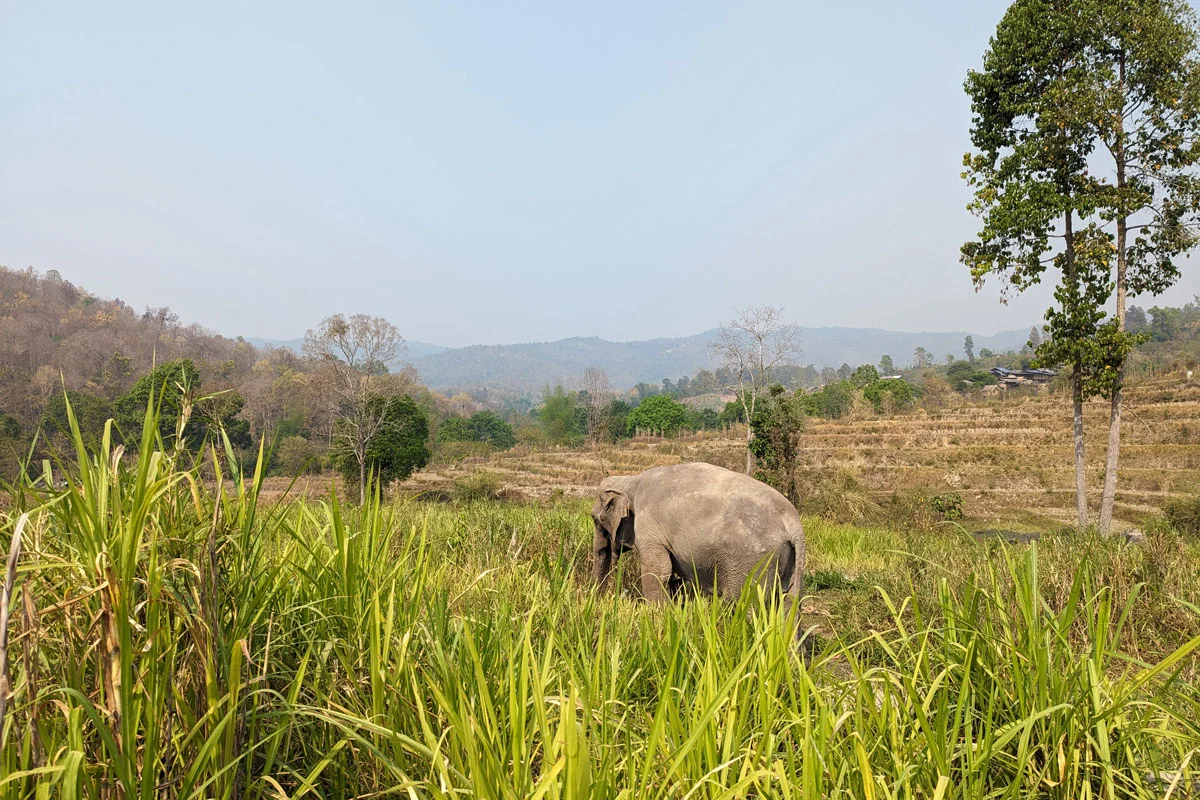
{"points": [[500, 172]]}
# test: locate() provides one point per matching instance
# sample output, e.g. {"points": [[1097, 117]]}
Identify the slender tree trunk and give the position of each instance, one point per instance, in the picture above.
{"points": [[1080, 461], [362, 481], [1109, 497], [749, 455], [1076, 390]]}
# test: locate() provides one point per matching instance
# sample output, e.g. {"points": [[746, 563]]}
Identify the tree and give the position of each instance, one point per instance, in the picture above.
{"points": [[864, 375], [751, 345], [778, 423], [561, 418], [886, 367], [489, 427], [396, 448], [1035, 338], [1144, 97], [173, 385], [1029, 170], [660, 413], [921, 358], [969, 347], [354, 356], [599, 397], [1135, 320], [91, 414], [894, 394], [1063, 84]]}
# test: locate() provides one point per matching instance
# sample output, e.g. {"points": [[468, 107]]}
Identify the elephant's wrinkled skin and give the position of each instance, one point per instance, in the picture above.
{"points": [[698, 524]]}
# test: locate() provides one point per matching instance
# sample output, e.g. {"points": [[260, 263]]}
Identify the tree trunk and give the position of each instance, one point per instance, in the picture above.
{"points": [[1109, 497], [362, 481], [1076, 389], [749, 455], [1080, 462]]}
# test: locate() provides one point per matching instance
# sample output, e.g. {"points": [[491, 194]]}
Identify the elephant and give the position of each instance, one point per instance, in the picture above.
{"points": [[701, 525]]}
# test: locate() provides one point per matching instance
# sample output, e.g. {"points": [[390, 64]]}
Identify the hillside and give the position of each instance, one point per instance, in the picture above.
{"points": [[528, 367]]}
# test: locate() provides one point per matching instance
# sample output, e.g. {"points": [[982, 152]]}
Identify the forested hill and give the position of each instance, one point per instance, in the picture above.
{"points": [[529, 367]]}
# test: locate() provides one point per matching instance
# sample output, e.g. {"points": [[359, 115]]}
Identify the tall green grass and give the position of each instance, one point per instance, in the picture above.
{"points": [[173, 636]]}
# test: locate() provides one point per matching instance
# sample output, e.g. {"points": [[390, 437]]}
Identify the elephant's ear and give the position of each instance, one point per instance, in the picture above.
{"points": [[613, 509]]}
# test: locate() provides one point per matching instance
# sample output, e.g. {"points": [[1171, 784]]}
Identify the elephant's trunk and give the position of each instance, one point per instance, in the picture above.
{"points": [[602, 559]]}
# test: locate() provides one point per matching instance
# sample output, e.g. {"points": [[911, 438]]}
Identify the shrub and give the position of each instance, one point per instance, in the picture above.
{"points": [[1184, 515], [295, 455], [659, 413]]}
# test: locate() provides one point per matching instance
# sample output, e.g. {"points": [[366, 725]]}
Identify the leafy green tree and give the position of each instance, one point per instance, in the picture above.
{"points": [[864, 375], [886, 367], [962, 375], [834, 399], [395, 451], [921, 358], [733, 412], [561, 417], [455, 429], [295, 455], [704, 419], [969, 347], [1135, 320], [618, 418], [1030, 169], [896, 392], [778, 424], [490, 427], [172, 383], [91, 413], [660, 413]]}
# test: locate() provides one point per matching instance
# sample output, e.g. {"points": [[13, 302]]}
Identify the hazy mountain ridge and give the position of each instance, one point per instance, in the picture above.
{"points": [[415, 349], [530, 366]]}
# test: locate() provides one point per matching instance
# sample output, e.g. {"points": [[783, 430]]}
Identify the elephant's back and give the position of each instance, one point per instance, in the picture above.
{"points": [[697, 489]]}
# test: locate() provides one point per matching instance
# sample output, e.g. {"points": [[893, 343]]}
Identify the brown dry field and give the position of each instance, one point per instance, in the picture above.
{"points": [[1010, 459]]}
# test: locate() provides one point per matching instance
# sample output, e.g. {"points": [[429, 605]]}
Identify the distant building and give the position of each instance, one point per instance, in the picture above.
{"points": [[1019, 377]]}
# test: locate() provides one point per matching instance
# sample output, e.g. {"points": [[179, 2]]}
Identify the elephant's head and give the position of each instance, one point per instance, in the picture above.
{"points": [[612, 515]]}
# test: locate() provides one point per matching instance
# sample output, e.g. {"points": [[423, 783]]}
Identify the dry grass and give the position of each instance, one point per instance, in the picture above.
{"points": [[1010, 459]]}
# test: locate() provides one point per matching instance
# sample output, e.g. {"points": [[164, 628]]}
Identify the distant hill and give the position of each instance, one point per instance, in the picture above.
{"points": [[526, 368], [415, 349]]}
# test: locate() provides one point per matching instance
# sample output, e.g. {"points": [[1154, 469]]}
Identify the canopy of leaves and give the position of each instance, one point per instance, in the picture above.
{"points": [[563, 420], [397, 449], [659, 413], [482, 426], [778, 422], [91, 413]]}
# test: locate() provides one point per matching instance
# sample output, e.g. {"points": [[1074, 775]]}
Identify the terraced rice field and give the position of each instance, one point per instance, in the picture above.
{"points": [[1010, 458]]}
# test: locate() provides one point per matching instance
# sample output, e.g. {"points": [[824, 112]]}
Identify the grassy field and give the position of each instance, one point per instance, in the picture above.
{"points": [[172, 638], [1009, 459]]}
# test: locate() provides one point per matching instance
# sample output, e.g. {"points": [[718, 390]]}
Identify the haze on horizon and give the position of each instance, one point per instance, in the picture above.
{"points": [[483, 175]]}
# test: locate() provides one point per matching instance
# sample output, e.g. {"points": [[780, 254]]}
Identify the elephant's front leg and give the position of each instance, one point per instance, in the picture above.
{"points": [[656, 573]]}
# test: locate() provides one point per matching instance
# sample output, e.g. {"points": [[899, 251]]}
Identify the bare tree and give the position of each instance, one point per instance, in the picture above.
{"points": [[354, 355], [751, 345], [599, 400]]}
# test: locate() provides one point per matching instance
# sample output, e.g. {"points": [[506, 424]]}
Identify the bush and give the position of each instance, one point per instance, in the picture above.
{"points": [[1184, 515], [477, 486], [295, 455]]}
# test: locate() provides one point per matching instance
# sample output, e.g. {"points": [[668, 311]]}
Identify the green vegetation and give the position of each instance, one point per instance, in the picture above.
{"points": [[394, 450], [199, 639], [657, 414], [482, 426]]}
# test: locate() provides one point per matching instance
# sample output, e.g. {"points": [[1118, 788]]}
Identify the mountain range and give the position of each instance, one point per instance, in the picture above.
{"points": [[526, 368]]}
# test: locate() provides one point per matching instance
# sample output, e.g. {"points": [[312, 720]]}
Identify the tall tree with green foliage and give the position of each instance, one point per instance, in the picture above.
{"points": [[1065, 83], [886, 367], [1144, 96], [1029, 172], [561, 417], [969, 347]]}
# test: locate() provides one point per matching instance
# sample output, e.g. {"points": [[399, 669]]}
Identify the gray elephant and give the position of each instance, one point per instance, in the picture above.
{"points": [[700, 525]]}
